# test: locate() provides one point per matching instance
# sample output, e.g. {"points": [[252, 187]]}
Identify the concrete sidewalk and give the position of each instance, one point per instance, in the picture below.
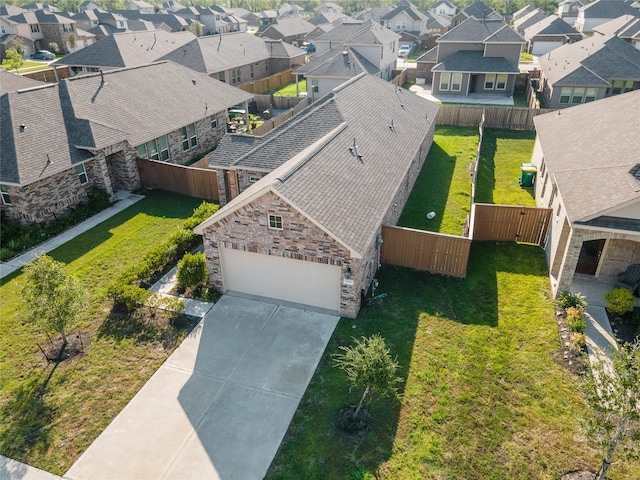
{"points": [[124, 200], [12, 470]]}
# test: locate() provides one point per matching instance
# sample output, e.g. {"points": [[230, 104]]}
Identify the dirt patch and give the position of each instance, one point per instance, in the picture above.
{"points": [[581, 475], [626, 328], [573, 360], [77, 346], [352, 425]]}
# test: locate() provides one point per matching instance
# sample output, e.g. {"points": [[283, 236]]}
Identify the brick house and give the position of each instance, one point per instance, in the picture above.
{"points": [[304, 214], [549, 34], [59, 140], [590, 177]]}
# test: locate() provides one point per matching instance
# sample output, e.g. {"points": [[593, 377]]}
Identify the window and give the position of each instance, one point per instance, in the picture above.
{"points": [[565, 94], [189, 139], [235, 75], [590, 96], [221, 76], [251, 70], [489, 81], [444, 80], [456, 81], [401, 25], [558, 210], [501, 82], [120, 24], [156, 149], [275, 222], [4, 192], [253, 179], [35, 28], [2, 29], [67, 27], [82, 174], [214, 122], [578, 95]]}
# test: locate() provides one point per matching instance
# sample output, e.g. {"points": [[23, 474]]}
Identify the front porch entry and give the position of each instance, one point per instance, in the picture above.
{"points": [[590, 255]]}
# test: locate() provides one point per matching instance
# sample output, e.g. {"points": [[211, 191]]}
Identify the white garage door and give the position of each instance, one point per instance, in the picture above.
{"points": [[540, 48], [296, 281]]}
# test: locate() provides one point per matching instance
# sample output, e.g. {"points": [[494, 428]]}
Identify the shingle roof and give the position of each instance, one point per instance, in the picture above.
{"points": [[83, 112], [409, 10], [591, 164], [529, 19], [473, 30], [605, 57], [288, 27], [550, 26], [218, 53], [11, 82], [480, 10], [348, 196], [626, 26], [429, 55], [338, 63], [473, 61], [326, 17], [175, 22], [522, 12], [128, 49], [609, 9]]}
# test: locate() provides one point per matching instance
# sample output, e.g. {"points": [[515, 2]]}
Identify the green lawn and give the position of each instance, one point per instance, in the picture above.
{"points": [[499, 170], [80, 398], [444, 184], [485, 394], [289, 90], [29, 66]]}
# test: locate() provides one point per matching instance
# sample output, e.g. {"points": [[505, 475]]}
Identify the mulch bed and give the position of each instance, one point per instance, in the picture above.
{"points": [[573, 360], [77, 345], [624, 328]]}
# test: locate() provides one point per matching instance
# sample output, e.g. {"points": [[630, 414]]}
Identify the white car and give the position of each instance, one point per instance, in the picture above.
{"points": [[404, 50]]}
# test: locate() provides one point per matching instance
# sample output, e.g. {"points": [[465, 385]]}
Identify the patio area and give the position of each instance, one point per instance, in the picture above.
{"points": [[593, 290], [473, 98]]}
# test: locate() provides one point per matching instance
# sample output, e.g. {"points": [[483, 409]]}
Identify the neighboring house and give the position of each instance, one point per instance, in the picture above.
{"points": [[478, 10], [262, 18], [328, 18], [590, 177], [425, 64], [286, 10], [292, 30], [61, 139], [88, 5], [99, 23], [314, 195], [549, 34], [21, 27], [171, 21], [531, 18], [477, 57], [444, 8], [125, 50], [406, 18], [328, 7], [627, 27], [214, 21], [522, 12], [141, 6], [377, 44], [375, 13], [172, 6], [237, 58], [333, 68], [45, 28], [568, 10], [601, 11], [588, 70]]}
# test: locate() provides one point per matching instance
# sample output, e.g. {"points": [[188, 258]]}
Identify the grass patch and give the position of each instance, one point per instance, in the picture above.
{"points": [[526, 57], [289, 90], [49, 416], [444, 184], [485, 393], [499, 169]]}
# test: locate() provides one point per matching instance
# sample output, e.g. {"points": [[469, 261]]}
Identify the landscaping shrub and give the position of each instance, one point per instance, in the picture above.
{"points": [[578, 341], [200, 214], [567, 300], [171, 304], [130, 297], [619, 300], [575, 320], [192, 270]]}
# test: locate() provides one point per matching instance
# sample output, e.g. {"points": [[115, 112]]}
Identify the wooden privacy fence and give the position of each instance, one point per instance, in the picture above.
{"points": [[429, 251], [48, 75], [268, 83], [195, 182], [269, 125], [510, 223], [513, 118], [264, 102]]}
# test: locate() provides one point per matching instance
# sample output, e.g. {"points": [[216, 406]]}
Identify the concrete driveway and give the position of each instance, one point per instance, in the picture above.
{"points": [[219, 407]]}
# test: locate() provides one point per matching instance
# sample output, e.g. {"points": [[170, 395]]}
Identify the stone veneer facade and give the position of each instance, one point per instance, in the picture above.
{"points": [[246, 229]]}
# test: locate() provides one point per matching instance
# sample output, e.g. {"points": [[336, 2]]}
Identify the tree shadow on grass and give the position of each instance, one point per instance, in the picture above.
{"points": [[27, 418]]}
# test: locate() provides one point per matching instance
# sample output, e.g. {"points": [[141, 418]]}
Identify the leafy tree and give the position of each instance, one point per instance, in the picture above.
{"points": [[54, 299], [612, 391], [192, 270], [53, 46], [13, 60], [197, 27], [72, 41], [369, 365]]}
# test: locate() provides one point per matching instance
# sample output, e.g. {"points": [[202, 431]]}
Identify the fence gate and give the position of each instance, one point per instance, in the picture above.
{"points": [[511, 223], [195, 182]]}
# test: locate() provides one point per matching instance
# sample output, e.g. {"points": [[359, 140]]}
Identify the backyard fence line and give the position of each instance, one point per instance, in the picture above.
{"points": [[271, 82], [195, 182], [49, 75], [269, 125], [511, 118]]}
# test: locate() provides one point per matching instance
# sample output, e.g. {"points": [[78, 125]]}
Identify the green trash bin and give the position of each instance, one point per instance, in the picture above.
{"points": [[527, 174]]}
